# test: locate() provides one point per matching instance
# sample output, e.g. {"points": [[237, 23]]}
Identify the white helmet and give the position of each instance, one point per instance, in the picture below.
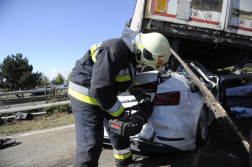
{"points": [[152, 49]]}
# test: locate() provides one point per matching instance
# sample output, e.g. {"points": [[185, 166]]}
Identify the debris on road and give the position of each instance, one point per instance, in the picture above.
{"points": [[7, 141], [14, 117], [21, 115]]}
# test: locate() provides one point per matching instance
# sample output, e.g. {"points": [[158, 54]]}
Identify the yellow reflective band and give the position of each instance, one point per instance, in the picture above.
{"points": [[118, 112], [125, 156], [94, 58], [92, 50], [82, 97], [123, 78], [135, 83], [92, 53]]}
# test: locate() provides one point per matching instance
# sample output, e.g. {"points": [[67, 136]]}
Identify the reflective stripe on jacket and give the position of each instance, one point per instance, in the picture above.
{"points": [[106, 69]]}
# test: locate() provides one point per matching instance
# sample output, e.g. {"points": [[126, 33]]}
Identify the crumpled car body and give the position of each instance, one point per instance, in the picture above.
{"points": [[173, 125]]}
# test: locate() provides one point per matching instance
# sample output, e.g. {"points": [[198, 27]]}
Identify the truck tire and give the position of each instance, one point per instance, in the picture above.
{"points": [[202, 130]]}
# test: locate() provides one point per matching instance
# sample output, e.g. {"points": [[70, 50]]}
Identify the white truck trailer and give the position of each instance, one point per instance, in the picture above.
{"points": [[217, 33]]}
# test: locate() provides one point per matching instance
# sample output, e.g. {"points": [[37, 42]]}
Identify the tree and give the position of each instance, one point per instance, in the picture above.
{"points": [[68, 78], [59, 80], [127, 24], [16, 73], [43, 80]]}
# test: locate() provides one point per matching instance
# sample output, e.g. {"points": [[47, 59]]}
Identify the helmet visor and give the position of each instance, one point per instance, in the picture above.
{"points": [[147, 54]]}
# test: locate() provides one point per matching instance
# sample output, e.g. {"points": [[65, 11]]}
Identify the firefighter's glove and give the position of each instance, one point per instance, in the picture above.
{"points": [[137, 92], [143, 113], [123, 117]]}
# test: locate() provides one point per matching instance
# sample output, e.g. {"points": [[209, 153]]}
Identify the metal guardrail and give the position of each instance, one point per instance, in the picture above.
{"points": [[26, 108], [30, 91], [21, 100]]}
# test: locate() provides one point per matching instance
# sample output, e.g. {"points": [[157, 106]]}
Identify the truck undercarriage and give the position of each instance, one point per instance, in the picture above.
{"points": [[213, 51]]}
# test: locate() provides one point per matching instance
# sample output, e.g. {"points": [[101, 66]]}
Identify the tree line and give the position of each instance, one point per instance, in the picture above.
{"points": [[17, 74]]}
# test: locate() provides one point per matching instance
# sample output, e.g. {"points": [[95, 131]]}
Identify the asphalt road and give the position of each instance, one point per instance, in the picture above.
{"points": [[56, 147]]}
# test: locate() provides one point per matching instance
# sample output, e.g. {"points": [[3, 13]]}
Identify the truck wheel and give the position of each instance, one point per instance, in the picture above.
{"points": [[202, 130], [250, 149]]}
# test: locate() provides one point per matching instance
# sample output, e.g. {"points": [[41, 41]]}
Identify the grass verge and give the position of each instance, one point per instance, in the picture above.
{"points": [[56, 116], [38, 123]]}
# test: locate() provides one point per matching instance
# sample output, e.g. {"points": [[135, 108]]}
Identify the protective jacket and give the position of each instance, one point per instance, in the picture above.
{"points": [[107, 69]]}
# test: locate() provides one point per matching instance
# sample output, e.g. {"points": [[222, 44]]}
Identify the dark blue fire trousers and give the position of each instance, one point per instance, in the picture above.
{"points": [[89, 122]]}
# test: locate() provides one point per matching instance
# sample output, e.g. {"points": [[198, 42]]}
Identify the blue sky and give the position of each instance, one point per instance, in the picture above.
{"points": [[45, 31]]}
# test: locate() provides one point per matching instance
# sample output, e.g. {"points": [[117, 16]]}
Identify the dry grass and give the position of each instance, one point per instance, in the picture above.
{"points": [[38, 123]]}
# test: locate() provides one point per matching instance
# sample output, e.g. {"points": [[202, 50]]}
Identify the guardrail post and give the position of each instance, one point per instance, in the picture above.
{"points": [[46, 93], [53, 93]]}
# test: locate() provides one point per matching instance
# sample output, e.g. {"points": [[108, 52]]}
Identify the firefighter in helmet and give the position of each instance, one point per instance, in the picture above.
{"points": [[106, 70]]}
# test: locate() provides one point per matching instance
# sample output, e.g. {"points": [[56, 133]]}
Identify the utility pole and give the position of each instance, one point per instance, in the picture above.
{"points": [[73, 56]]}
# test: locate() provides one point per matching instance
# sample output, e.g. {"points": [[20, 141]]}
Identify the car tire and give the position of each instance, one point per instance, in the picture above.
{"points": [[202, 129]]}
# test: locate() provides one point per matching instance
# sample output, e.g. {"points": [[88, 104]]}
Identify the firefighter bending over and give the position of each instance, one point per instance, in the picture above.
{"points": [[106, 70]]}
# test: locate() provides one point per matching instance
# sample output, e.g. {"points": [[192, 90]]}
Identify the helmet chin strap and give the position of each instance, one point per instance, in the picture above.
{"points": [[138, 43], [135, 52]]}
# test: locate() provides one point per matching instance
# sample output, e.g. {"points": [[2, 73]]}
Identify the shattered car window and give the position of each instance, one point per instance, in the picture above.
{"points": [[182, 71]]}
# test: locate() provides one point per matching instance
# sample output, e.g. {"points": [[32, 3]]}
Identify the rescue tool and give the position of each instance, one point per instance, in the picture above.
{"points": [[135, 123]]}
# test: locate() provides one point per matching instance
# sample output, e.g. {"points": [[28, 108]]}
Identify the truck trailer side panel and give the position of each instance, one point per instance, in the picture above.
{"points": [[182, 12], [239, 18], [228, 22]]}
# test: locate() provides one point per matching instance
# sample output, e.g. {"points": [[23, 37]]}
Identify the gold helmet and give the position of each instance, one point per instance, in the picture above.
{"points": [[152, 49]]}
